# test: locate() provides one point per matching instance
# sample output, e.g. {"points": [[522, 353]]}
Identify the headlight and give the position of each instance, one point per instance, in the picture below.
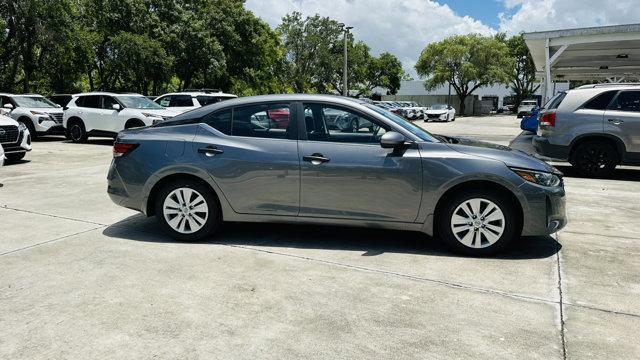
{"points": [[151, 115], [38, 113], [539, 177], [22, 126]]}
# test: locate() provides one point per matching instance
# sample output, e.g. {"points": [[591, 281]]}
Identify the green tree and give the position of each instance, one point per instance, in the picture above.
{"points": [[523, 74], [467, 62]]}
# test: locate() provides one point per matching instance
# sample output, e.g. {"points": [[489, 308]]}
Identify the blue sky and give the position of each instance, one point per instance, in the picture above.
{"points": [[484, 10], [405, 27]]}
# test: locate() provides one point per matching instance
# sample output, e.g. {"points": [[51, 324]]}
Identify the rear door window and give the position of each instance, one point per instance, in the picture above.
{"points": [[263, 121], [220, 120], [627, 101], [600, 102], [90, 101]]}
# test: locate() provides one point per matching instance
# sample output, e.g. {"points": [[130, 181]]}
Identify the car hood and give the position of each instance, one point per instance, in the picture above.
{"points": [[510, 157], [436, 112], [5, 120]]}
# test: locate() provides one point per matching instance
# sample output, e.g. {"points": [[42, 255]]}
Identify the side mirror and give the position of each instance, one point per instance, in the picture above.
{"points": [[450, 107], [392, 140], [8, 106], [116, 107]]}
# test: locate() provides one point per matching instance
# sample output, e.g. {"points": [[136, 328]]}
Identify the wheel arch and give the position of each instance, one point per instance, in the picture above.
{"points": [[132, 122], [479, 185], [613, 140], [149, 202]]}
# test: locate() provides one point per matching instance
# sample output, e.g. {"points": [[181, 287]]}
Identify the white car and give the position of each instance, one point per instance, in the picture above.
{"points": [[526, 106], [440, 112], [37, 113], [15, 139], [189, 100], [106, 114]]}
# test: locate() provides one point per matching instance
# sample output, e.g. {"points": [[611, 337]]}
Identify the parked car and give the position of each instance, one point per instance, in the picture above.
{"points": [[15, 139], [595, 129], [189, 100], [525, 107], [37, 113], [530, 122], [61, 99], [440, 112], [105, 114], [217, 165]]}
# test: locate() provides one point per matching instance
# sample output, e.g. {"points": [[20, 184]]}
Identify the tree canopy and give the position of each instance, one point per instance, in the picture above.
{"points": [[522, 77], [467, 62]]}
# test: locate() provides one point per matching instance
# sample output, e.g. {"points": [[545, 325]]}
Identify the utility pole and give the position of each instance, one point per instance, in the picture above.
{"points": [[345, 86]]}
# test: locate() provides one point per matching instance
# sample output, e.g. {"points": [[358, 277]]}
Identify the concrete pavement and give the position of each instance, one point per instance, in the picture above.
{"points": [[83, 278]]}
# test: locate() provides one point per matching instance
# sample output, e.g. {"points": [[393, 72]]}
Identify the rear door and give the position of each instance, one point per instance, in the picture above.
{"points": [[345, 174], [622, 119], [254, 164], [89, 109]]}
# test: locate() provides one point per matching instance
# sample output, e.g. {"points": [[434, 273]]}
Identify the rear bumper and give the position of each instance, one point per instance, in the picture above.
{"points": [[118, 192], [544, 148]]}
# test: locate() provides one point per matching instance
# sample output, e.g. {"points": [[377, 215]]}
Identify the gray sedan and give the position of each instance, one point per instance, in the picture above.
{"points": [[218, 163]]}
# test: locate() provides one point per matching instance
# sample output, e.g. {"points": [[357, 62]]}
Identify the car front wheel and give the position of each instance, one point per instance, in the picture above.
{"points": [[187, 210], [477, 222]]}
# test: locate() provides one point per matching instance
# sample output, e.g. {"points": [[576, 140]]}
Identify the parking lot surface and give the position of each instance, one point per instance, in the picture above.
{"points": [[84, 278]]}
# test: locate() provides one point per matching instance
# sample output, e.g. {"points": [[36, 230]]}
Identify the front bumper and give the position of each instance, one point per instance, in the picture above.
{"points": [[22, 145], [545, 212], [545, 148]]}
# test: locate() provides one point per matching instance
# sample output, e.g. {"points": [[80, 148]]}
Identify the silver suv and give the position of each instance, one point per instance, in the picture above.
{"points": [[594, 127]]}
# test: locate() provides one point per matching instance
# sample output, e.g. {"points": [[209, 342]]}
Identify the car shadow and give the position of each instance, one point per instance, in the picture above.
{"points": [[371, 242], [103, 141], [16, 162], [49, 138]]}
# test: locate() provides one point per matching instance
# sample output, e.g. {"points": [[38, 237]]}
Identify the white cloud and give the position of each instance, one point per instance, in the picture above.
{"points": [[537, 15], [402, 28]]}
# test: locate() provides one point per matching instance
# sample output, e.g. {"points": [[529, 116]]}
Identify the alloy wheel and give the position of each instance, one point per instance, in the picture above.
{"points": [[478, 223], [594, 160], [185, 210]]}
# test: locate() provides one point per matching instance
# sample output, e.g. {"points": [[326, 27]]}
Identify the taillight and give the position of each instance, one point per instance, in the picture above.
{"points": [[121, 149], [548, 119]]}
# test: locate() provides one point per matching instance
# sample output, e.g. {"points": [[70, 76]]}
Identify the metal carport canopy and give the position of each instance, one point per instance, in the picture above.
{"points": [[598, 53]]}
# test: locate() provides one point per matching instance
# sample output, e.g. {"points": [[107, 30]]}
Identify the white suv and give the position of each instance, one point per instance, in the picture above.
{"points": [[37, 113], [15, 139], [189, 100], [106, 114]]}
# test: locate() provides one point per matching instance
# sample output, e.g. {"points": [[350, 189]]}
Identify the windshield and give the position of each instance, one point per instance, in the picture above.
{"points": [[439, 107], [530, 103], [138, 102], [34, 102], [414, 129]]}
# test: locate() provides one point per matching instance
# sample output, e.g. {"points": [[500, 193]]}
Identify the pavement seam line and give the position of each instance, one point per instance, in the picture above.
{"points": [[561, 304], [601, 235], [50, 241], [53, 216]]}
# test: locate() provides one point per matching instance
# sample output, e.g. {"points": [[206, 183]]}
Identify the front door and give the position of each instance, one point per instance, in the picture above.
{"points": [[623, 120], [346, 174], [256, 165]]}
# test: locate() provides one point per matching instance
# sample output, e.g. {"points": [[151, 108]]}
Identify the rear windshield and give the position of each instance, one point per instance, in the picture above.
{"points": [[555, 101]]}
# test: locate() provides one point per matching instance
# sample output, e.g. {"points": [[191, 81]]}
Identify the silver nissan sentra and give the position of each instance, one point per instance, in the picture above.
{"points": [[276, 158]]}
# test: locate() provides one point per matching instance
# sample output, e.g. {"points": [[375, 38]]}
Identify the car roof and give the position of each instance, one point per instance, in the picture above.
{"points": [[199, 93], [16, 95], [105, 93]]}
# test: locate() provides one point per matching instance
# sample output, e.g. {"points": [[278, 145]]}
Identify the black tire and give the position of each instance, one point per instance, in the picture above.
{"points": [[134, 123], [15, 156], [29, 124], [445, 214], [595, 159], [76, 131], [213, 221]]}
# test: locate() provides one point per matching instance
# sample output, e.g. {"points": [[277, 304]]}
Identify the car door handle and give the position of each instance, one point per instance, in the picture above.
{"points": [[210, 151], [615, 121], [316, 158]]}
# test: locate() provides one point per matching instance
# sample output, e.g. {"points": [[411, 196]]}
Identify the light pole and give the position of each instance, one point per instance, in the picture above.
{"points": [[345, 87]]}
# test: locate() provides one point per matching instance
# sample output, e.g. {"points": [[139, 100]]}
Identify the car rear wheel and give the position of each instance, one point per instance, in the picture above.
{"points": [[595, 159], [187, 210], [477, 222]]}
